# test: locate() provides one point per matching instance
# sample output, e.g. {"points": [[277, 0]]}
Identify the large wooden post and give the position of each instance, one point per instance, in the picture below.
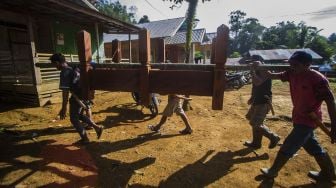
{"points": [[85, 57], [221, 47], [161, 51], [116, 51], [144, 57]]}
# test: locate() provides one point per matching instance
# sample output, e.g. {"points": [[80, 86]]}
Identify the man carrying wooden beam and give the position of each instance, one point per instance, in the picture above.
{"points": [[174, 106], [69, 82], [260, 102], [308, 89]]}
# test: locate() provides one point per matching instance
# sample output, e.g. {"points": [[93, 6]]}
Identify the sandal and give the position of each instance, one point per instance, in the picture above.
{"points": [[153, 128], [186, 131]]}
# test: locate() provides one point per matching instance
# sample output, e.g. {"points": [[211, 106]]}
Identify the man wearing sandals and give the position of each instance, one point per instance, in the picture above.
{"points": [[69, 83], [174, 105], [260, 102]]}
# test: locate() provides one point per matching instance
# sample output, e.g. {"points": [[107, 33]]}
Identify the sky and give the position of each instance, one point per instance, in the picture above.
{"points": [[317, 13]]}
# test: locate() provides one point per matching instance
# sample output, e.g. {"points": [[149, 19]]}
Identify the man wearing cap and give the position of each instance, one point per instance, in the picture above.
{"points": [[308, 89], [260, 102]]}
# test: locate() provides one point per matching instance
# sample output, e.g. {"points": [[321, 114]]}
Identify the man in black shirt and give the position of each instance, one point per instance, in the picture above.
{"points": [[260, 102], [69, 83]]}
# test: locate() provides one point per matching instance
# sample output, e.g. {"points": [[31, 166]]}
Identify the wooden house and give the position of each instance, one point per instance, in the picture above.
{"points": [[167, 42], [32, 30]]}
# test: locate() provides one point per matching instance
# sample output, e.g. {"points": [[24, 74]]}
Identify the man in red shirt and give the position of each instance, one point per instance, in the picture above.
{"points": [[308, 89]]}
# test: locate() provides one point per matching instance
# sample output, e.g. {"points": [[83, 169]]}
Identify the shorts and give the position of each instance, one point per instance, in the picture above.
{"points": [[173, 106], [257, 114]]}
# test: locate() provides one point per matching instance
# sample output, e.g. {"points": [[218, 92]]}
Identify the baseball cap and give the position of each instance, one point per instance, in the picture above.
{"points": [[302, 57]]}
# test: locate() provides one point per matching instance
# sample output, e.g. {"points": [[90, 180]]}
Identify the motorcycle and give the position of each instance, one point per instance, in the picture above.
{"points": [[236, 80], [153, 103]]}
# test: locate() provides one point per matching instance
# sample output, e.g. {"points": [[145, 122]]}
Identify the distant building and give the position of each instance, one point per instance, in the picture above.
{"points": [[167, 41], [278, 56]]}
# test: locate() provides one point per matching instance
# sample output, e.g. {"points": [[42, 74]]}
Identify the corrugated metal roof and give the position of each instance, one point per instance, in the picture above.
{"points": [[208, 38], [281, 54], [163, 28], [157, 29], [180, 37]]}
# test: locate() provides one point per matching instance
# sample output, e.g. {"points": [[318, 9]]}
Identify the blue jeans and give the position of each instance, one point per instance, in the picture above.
{"points": [[76, 115], [301, 136]]}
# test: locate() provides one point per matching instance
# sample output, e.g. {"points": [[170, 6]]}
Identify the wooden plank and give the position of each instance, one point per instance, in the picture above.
{"points": [[181, 82], [85, 57], [161, 50], [115, 80], [144, 57], [116, 51], [213, 51]]}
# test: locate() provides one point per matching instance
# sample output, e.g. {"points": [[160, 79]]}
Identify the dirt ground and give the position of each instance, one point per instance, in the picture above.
{"points": [[37, 151]]}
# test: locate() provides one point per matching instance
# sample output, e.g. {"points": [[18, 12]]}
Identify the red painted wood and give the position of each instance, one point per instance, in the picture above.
{"points": [[144, 57], [116, 51], [220, 60], [85, 57]]}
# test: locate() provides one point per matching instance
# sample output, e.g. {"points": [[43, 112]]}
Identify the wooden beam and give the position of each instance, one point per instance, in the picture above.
{"points": [[116, 51], [85, 57], [187, 82], [219, 72], [144, 57], [213, 51], [161, 50]]}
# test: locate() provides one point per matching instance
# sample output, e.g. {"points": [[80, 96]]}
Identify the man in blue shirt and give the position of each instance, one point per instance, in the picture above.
{"points": [[69, 83]]}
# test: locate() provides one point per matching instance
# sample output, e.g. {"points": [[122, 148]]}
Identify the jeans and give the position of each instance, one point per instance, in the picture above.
{"points": [[76, 115], [301, 136]]}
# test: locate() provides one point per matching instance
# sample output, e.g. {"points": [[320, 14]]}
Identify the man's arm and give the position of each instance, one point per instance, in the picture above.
{"points": [[65, 97], [273, 76]]}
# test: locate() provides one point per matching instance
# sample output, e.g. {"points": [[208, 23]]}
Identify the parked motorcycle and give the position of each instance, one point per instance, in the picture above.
{"points": [[153, 103], [237, 80]]}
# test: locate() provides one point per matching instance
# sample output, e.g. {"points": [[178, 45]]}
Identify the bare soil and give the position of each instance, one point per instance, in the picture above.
{"points": [[38, 151]]}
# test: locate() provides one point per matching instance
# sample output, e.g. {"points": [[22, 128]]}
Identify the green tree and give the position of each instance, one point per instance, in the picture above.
{"points": [[116, 10], [245, 32], [321, 46], [144, 19], [236, 21], [235, 55]]}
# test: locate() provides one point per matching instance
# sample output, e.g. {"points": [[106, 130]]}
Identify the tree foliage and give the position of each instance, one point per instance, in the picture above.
{"points": [[144, 19], [248, 33], [116, 10]]}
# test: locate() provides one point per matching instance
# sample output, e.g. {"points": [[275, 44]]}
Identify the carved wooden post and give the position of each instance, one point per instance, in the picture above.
{"points": [[161, 51], [213, 51], [85, 57], [219, 73], [144, 57], [116, 51]]}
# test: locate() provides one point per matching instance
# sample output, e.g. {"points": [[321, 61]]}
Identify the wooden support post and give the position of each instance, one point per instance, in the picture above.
{"points": [[161, 51], [85, 57], [130, 47], [116, 51], [144, 57], [221, 47], [213, 51]]}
